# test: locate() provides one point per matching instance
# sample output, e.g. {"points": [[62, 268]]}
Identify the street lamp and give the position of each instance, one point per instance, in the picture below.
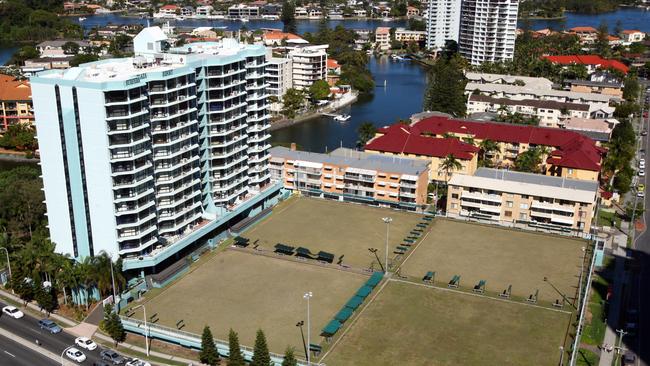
{"points": [[62, 353], [110, 258], [307, 296], [561, 355], [8, 263], [146, 329], [387, 221], [302, 334]]}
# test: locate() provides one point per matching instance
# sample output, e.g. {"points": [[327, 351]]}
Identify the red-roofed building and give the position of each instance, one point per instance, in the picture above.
{"points": [[587, 35], [15, 102], [593, 62], [571, 154], [169, 9], [632, 35], [275, 38], [333, 71]]}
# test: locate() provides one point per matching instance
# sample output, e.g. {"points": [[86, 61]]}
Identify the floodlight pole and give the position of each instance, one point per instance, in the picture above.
{"points": [[308, 295], [302, 334], [387, 220], [146, 336], [561, 355]]}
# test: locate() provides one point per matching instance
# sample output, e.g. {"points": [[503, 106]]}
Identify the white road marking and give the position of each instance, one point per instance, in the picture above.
{"points": [[10, 354]]}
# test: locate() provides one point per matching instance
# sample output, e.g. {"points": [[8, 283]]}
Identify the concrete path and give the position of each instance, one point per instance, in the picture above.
{"points": [[619, 252]]}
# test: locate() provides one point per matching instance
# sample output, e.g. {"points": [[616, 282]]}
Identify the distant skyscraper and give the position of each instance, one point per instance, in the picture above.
{"points": [[443, 18], [488, 29], [149, 156]]}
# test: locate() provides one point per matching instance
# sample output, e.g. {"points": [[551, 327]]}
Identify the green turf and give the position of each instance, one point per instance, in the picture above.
{"points": [[247, 292], [343, 229], [502, 257], [409, 324]]}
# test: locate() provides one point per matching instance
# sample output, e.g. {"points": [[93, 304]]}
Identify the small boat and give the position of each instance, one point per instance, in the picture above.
{"points": [[342, 117], [386, 20], [244, 20], [81, 19]]}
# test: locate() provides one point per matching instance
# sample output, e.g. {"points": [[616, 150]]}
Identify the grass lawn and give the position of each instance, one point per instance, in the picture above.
{"points": [[499, 256], [247, 292], [343, 229], [594, 329], [412, 325], [586, 358], [608, 218]]}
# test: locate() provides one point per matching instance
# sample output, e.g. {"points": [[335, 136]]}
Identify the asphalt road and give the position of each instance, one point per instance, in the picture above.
{"points": [[15, 354], [639, 298], [28, 329]]}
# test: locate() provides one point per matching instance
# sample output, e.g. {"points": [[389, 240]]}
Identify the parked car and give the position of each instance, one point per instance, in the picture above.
{"points": [[629, 359], [644, 133], [75, 355], [112, 356], [50, 326], [640, 194], [641, 173], [137, 362], [641, 187], [13, 312], [86, 343]]}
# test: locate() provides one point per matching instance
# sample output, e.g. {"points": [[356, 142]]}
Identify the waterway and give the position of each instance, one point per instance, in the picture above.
{"points": [[399, 99]]}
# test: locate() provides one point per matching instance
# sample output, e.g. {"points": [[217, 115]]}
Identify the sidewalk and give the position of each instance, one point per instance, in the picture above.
{"points": [[607, 358], [68, 323]]}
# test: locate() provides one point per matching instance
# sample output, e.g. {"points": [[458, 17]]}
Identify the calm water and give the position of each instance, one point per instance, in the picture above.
{"points": [[402, 96], [6, 53], [630, 18]]}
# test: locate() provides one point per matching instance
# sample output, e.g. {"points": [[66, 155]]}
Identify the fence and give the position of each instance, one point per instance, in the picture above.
{"points": [[192, 340]]}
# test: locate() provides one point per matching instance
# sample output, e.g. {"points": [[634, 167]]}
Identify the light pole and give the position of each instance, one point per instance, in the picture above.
{"points": [[308, 295], [146, 329], [387, 220], [561, 355], [374, 251], [622, 334], [62, 353], [8, 263], [302, 334], [582, 269], [110, 258]]}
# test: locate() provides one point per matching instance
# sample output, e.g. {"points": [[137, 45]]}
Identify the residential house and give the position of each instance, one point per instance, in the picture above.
{"points": [[55, 48], [586, 35], [412, 12], [587, 86], [632, 35], [15, 102], [382, 38], [276, 38]]}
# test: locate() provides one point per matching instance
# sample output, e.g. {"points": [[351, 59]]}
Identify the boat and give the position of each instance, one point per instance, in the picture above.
{"points": [[244, 20], [386, 20], [342, 117], [81, 19]]}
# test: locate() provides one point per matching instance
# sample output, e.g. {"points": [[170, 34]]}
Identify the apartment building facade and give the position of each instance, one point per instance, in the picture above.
{"points": [[15, 102], [308, 65], [279, 77], [145, 157], [382, 37], [487, 30], [442, 23], [524, 199], [353, 176], [405, 35], [241, 11]]}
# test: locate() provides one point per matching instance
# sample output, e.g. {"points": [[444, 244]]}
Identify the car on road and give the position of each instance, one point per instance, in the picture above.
{"points": [[640, 194], [49, 325], [75, 355], [629, 359], [85, 343], [13, 312], [112, 356], [644, 133], [641, 173], [641, 188], [137, 362]]}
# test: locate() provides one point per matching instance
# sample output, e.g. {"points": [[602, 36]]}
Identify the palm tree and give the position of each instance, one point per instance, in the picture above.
{"points": [[486, 147], [65, 277], [449, 164], [366, 132]]}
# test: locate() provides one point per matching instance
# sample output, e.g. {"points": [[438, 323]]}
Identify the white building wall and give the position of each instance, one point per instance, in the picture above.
{"points": [[442, 21]]}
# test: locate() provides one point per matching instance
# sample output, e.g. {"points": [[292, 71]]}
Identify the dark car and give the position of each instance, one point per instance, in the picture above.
{"points": [[49, 325], [112, 356], [629, 359]]}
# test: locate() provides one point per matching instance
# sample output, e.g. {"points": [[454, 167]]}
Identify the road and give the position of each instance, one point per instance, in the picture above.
{"points": [[639, 298], [28, 329], [14, 354]]}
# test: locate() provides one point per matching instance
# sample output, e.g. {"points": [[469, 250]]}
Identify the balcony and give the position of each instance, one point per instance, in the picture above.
{"points": [[181, 224], [138, 222], [172, 191], [129, 155], [126, 209], [133, 196], [537, 205], [130, 169], [132, 249], [481, 196]]}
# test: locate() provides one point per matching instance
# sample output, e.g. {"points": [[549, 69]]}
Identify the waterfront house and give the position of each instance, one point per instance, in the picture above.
{"points": [[412, 12], [15, 102], [586, 35], [632, 35], [382, 38]]}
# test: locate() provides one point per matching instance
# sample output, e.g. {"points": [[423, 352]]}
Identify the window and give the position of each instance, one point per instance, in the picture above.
{"points": [[149, 46], [524, 206], [508, 213], [509, 204], [454, 206], [569, 171], [454, 195]]}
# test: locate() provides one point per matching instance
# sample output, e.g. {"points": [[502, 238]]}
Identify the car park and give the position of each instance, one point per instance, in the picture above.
{"points": [[13, 312], [75, 355], [49, 325], [85, 343], [112, 357]]}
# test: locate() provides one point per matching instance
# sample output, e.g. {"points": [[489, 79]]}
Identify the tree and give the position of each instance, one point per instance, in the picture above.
{"points": [[602, 41], [22, 286], [24, 53], [293, 101], [46, 298], [22, 211], [626, 109], [529, 160], [319, 90], [70, 48], [289, 358], [261, 356], [113, 325], [208, 354], [631, 88], [486, 147], [235, 358], [366, 132], [19, 137], [288, 16], [446, 88], [450, 164]]}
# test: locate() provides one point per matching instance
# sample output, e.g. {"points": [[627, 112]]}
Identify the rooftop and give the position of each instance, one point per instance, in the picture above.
{"points": [[530, 82], [355, 159], [593, 60], [537, 91], [600, 84], [529, 184], [12, 89], [536, 103]]}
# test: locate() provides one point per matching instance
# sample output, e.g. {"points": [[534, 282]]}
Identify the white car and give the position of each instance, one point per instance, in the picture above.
{"points": [[13, 312], [85, 343], [641, 173], [75, 355], [136, 362]]}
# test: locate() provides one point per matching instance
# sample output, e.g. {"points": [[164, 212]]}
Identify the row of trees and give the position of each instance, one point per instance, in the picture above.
{"points": [[261, 355], [31, 20], [21, 137]]}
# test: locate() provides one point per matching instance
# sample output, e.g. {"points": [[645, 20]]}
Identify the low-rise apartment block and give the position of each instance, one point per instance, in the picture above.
{"points": [[405, 35], [570, 154], [15, 102], [309, 65], [382, 37], [240, 11], [632, 35], [524, 199], [614, 89], [349, 175], [279, 78]]}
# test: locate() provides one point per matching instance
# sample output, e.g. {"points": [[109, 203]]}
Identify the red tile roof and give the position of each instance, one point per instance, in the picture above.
{"points": [[594, 60], [14, 90], [401, 138], [572, 149], [332, 64], [583, 29], [631, 31]]}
